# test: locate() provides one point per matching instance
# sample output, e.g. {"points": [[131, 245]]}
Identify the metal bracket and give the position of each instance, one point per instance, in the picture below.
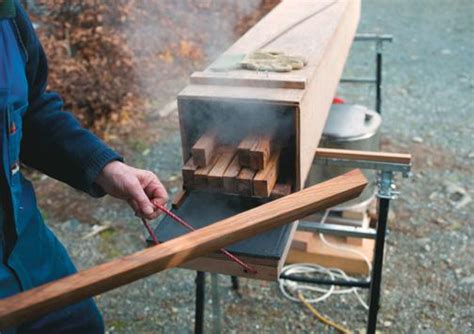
{"points": [[385, 182], [341, 230], [386, 185], [366, 164]]}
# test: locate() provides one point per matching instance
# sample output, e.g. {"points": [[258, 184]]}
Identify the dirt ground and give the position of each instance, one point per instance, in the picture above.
{"points": [[428, 282]]}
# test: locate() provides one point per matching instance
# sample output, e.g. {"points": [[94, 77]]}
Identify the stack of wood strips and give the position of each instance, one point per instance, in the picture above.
{"points": [[249, 168]]}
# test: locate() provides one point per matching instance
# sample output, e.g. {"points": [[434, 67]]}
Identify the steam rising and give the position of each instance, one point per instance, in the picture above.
{"points": [[176, 38]]}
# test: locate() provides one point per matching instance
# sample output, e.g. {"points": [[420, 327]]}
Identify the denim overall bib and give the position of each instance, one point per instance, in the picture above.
{"points": [[30, 254]]}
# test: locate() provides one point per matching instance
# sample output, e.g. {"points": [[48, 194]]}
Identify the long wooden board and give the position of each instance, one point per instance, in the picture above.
{"points": [[400, 158], [46, 298], [216, 78]]}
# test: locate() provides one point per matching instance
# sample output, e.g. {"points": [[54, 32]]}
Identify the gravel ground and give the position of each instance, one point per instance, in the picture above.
{"points": [[428, 282]]}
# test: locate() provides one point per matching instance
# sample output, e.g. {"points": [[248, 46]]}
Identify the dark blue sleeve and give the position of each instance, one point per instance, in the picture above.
{"points": [[53, 140]]}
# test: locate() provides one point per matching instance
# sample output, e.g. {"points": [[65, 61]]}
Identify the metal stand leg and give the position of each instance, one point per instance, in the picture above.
{"points": [[378, 79], [235, 283], [377, 265], [216, 308], [200, 302]]}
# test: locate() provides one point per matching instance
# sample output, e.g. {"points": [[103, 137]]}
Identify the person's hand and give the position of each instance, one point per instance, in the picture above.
{"points": [[136, 186]]}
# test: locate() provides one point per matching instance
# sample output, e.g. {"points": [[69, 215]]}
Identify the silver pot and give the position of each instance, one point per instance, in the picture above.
{"points": [[350, 127]]}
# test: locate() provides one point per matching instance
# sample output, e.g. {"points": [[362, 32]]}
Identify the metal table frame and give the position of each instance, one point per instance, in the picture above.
{"points": [[385, 194], [379, 40]]}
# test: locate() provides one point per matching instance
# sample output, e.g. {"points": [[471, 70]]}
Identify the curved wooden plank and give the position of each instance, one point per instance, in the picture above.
{"points": [[96, 280]]}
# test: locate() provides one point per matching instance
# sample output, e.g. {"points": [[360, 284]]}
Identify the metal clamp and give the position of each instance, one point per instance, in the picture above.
{"points": [[386, 185], [385, 180]]}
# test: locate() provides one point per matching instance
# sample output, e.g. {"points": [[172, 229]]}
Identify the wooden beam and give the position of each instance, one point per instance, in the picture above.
{"points": [[200, 175], [290, 81], [399, 158], [243, 150], [244, 181], [230, 176], [280, 190], [260, 152], [318, 252], [188, 171], [38, 301], [178, 200], [204, 148], [265, 180], [301, 240], [215, 176]]}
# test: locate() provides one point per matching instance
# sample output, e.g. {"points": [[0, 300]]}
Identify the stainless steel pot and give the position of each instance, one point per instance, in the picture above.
{"points": [[351, 127]]}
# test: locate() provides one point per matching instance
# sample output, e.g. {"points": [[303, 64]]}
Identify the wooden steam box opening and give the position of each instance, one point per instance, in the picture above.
{"points": [[237, 103]]}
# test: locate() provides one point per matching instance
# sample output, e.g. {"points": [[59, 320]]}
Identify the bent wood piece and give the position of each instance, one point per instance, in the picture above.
{"points": [[96, 280], [222, 79], [400, 158]]}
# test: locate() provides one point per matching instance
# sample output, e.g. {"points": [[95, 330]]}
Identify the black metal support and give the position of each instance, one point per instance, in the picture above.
{"points": [[378, 79], [353, 283], [200, 302], [376, 280], [235, 283], [216, 306]]}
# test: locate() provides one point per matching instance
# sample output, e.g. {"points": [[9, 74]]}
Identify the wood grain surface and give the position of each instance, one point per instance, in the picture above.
{"points": [[400, 158], [229, 178], [188, 171], [245, 182], [217, 172], [265, 179], [280, 190], [204, 148], [243, 150], [260, 152]]}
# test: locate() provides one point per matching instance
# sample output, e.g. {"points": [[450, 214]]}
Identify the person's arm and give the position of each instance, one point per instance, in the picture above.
{"points": [[55, 143]]}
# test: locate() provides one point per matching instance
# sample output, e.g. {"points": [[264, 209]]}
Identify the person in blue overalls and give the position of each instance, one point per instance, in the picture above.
{"points": [[36, 132]]}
